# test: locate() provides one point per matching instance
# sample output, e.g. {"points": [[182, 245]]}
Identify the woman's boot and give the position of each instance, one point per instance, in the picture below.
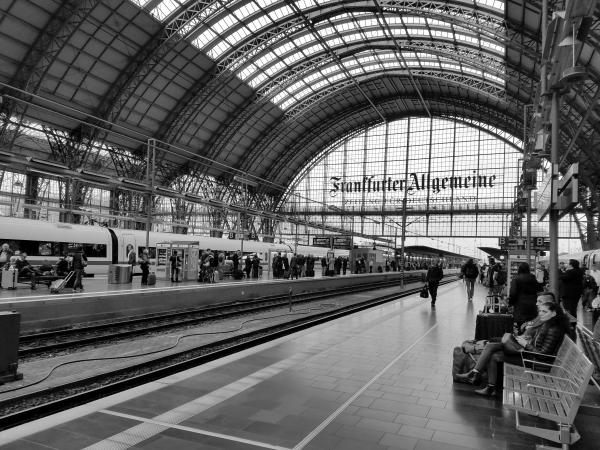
{"points": [[472, 377], [488, 391]]}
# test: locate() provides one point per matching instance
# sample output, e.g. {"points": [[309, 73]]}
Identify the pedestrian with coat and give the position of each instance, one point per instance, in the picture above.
{"points": [[590, 290], [523, 294], [175, 261], [572, 287], [78, 264], [469, 273], [248, 266], [433, 278], [145, 266]]}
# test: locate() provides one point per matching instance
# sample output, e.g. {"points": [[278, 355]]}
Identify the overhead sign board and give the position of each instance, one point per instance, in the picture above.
{"points": [[322, 241], [537, 243], [342, 242]]}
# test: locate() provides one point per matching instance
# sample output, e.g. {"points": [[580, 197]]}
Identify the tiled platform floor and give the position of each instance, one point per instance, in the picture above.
{"points": [[375, 380]]}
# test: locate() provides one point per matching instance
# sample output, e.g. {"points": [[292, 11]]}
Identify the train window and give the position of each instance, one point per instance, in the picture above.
{"points": [[594, 259], [585, 260], [94, 250], [151, 252]]}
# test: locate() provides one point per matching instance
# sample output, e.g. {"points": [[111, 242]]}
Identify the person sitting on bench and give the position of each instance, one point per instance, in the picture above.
{"points": [[544, 336], [26, 270]]}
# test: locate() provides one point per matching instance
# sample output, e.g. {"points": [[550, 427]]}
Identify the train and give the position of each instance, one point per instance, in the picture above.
{"points": [[44, 242]]}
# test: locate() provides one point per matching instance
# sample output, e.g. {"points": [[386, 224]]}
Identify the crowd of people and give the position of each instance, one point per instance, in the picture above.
{"points": [[75, 261]]}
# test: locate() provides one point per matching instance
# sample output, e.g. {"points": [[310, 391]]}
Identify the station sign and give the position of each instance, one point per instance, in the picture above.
{"points": [[537, 243], [342, 242], [322, 241]]}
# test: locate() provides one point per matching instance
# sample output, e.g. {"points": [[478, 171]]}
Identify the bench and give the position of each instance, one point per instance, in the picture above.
{"points": [[591, 348], [554, 394]]}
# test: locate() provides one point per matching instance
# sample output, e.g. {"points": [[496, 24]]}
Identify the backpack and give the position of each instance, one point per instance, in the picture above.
{"points": [[471, 271], [501, 277]]}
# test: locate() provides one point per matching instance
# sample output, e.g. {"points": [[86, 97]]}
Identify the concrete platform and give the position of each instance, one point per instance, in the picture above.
{"points": [[41, 310], [376, 380]]}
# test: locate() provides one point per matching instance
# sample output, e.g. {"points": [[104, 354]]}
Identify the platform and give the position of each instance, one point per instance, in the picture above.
{"points": [[379, 379], [41, 310]]}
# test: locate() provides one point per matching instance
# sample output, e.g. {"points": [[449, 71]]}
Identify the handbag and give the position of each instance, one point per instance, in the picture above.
{"points": [[473, 347], [424, 292], [510, 344]]}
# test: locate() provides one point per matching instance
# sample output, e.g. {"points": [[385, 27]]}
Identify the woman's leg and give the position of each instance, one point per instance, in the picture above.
{"points": [[490, 349]]}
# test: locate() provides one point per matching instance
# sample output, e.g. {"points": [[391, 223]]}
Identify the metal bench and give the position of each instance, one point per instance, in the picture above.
{"points": [[591, 348], [554, 394]]}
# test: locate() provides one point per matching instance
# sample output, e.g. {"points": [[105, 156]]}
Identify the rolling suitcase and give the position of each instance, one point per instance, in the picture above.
{"points": [[10, 278], [490, 325], [57, 286], [151, 279]]}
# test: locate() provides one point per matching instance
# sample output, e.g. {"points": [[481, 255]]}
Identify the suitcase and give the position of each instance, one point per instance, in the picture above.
{"points": [[492, 325], [151, 279], [10, 278], [57, 286]]}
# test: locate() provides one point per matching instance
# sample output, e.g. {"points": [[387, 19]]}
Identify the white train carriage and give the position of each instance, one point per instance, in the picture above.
{"points": [[45, 242]]}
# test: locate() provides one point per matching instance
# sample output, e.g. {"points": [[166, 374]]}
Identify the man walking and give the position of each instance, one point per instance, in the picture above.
{"points": [[470, 272]]}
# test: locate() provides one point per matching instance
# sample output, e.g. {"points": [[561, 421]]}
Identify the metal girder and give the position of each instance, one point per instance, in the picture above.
{"points": [[42, 54], [497, 94]]}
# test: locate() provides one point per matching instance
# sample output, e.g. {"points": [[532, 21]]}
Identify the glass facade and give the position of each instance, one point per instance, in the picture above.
{"points": [[454, 180]]}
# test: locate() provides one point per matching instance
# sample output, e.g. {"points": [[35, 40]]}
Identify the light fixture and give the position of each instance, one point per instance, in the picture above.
{"points": [[573, 74]]}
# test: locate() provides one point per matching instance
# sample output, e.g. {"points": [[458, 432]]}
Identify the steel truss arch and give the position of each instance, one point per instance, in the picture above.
{"points": [[502, 121]]}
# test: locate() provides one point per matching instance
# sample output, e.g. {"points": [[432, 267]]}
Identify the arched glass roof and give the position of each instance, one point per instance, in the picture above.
{"points": [[288, 53]]}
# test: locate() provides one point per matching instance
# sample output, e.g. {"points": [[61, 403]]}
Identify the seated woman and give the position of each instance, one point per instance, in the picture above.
{"points": [[543, 335]]}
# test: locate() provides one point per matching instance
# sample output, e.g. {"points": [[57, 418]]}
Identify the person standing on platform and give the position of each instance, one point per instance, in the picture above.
{"points": [[572, 287], [236, 260], [78, 264], [145, 266], [541, 276], [131, 259], [500, 278], [344, 265], [286, 264], [523, 294], [255, 266], [433, 278], [5, 255], [590, 290], [371, 264], [175, 261], [248, 266], [469, 273], [294, 267]]}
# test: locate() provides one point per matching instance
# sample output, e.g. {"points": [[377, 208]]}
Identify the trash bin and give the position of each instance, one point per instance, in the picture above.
{"points": [[119, 273], [10, 325]]}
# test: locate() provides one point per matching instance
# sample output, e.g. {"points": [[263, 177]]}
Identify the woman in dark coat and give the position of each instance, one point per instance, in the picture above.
{"points": [[523, 295], [544, 337], [572, 287]]}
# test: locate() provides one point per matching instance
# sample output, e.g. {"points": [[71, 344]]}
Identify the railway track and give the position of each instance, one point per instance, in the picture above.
{"points": [[49, 343], [29, 406]]}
